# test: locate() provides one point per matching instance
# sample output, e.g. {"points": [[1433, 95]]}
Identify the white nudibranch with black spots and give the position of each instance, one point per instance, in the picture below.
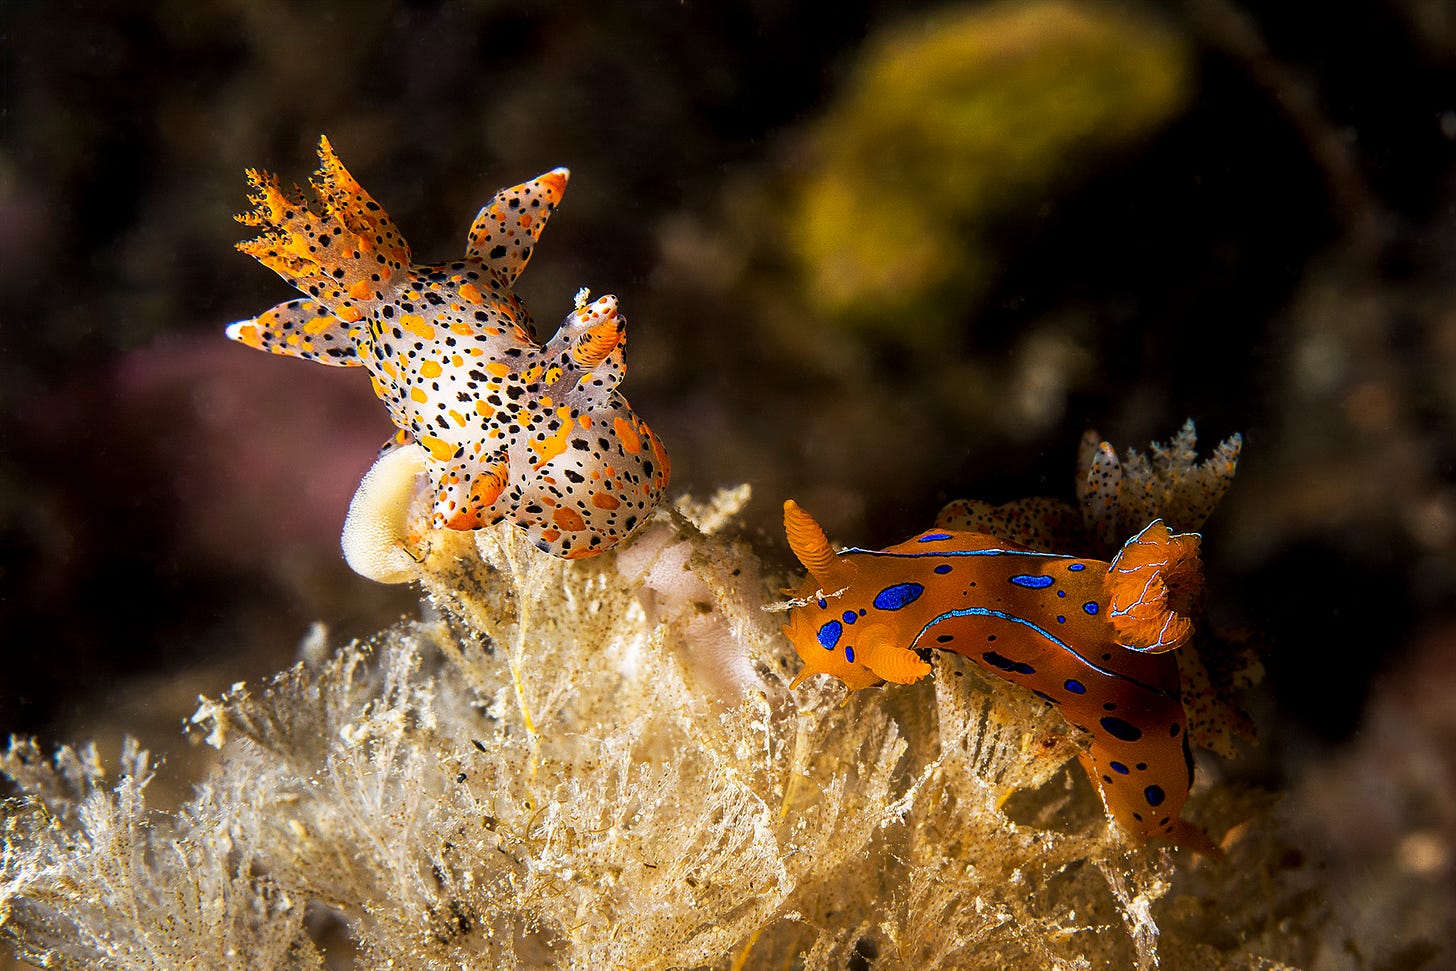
{"points": [[510, 429]]}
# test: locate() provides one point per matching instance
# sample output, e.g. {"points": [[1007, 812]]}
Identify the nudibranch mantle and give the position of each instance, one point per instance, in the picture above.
{"points": [[513, 430], [1089, 637]]}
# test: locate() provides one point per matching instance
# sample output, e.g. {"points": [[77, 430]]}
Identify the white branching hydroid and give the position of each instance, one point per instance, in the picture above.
{"points": [[591, 764]]}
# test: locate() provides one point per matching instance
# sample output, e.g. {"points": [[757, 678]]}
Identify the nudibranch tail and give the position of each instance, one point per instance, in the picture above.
{"points": [[1153, 586], [1183, 833]]}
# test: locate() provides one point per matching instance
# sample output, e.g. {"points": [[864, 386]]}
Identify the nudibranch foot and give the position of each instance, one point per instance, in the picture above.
{"points": [[509, 429]]}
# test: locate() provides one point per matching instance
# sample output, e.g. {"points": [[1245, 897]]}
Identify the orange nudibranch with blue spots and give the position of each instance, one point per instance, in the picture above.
{"points": [[1089, 637], [513, 430]]}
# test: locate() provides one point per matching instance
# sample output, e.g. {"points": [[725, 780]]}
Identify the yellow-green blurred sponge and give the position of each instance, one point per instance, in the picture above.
{"points": [[956, 122]]}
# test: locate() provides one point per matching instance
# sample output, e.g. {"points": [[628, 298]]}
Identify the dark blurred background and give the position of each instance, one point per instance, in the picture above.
{"points": [[875, 261]]}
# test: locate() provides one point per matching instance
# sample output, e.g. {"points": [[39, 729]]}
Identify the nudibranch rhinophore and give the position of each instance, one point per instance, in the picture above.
{"points": [[1089, 637], [511, 429]]}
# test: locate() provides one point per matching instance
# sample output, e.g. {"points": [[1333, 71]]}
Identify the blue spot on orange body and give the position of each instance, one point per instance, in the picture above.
{"points": [[829, 634], [933, 537], [1075, 687], [850, 616], [1119, 768], [898, 595], [1154, 795], [1003, 663], [943, 568], [1032, 580], [1120, 729], [1076, 567], [1091, 607]]}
